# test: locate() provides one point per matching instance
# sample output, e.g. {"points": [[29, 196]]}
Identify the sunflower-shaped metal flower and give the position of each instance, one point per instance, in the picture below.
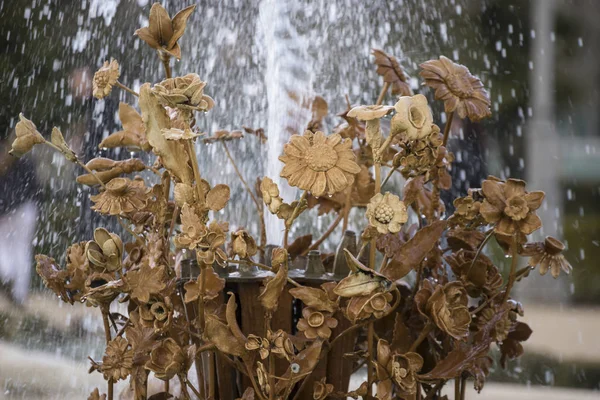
{"points": [[122, 195], [460, 91], [318, 163], [105, 78], [387, 213], [548, 255], [118, 359]]}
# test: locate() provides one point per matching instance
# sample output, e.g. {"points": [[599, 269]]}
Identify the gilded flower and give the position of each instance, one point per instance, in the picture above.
{"points": [[243, 244], [476, 277], [510, 207], [270, 194], [322, 389], [263, 345], [185, 92], [166, 360], [162, 32], [420, 156], [118, 359], [27, 137], [316, 324], [122, 195], [446, 305], [467, 211], [106, 250], [193, 231], [548, 255], [460, 91], [101, 288], [413, 117], [78, 270], [362, 307], [400, 369], [105, 78], [157, 313], [210, 250], [391, 71], [318, 163], [386, 212], [503, 320], [281, 344]]}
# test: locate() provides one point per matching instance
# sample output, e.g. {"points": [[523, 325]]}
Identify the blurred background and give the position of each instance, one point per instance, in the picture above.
{"points": [[264, 61]]}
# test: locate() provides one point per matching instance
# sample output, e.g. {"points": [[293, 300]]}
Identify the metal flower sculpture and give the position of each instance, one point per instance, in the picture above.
{"points": [[253, 323]]}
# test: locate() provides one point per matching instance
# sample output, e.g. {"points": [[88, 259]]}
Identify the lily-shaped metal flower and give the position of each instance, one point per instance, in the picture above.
{"points": [[163, 33], [27, 137]]}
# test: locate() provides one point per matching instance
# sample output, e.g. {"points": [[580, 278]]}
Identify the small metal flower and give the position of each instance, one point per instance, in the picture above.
{"points": [[243, 244], [186, 93], [118, 360], [386, 212], [460, 91], [263, 345], [482, 276], [122, 195], [281, 344], [105, 251], [27, 137], [548, 255], [105, 78], [166, 360], [400, 369], [316, 324], [510, 207], [446, 305]]}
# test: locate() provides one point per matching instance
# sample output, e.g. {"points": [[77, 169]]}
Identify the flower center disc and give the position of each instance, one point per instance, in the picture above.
{"points": [[384, 213], [460, 85], [516, 208], [117, 186], [378, 303], [316, 319], [321, 158]]}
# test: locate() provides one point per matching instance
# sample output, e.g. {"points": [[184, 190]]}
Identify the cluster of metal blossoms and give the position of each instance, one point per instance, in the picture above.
{"points": [[415, 302]]}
